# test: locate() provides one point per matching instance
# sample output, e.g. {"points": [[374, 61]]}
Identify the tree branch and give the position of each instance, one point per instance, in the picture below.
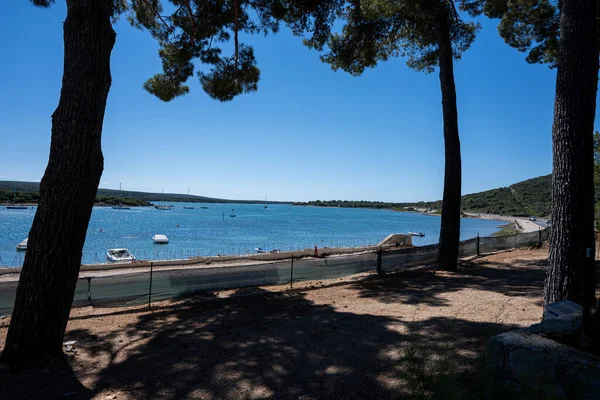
{"points": [[193, 22], [169, 27], [235, 33]]}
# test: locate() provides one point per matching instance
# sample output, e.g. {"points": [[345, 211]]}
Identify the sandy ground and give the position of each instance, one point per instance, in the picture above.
{"points": [[344, 339]]}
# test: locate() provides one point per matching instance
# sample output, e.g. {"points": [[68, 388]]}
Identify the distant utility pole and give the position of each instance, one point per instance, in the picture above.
{"points": [[188, 191]]}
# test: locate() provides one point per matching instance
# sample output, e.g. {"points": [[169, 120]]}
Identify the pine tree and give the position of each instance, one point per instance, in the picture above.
{"points": [[565, 35], [429, 34], [195, 30]]}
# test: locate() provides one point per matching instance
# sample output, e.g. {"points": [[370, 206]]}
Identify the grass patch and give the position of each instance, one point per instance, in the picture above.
{"points": [[507, 230], [432, 376]]}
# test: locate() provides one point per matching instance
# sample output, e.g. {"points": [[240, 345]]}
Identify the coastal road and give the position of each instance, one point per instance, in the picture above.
{"points": [[542, 223]]}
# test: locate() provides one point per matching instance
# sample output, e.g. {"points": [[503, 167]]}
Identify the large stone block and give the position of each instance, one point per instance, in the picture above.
{"points": [[524, 364]]}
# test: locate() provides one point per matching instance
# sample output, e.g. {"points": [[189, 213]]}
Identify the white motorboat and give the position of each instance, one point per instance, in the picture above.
{"points": [[260, 250], [23, 245], [119, 255], [160, 239], [162, 207], [416, 233]]}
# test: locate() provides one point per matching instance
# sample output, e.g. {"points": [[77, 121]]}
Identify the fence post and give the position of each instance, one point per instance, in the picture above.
{"points": [[292, 273], [150, 289], [379, 256], [540, 237], [478, 243], [89, 279]]}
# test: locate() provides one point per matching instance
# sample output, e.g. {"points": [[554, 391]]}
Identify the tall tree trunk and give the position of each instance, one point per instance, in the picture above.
{"points": [[570, 273], [67, 190], [450, 227]]}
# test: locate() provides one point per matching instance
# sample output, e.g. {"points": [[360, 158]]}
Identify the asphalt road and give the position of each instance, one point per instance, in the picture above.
{"points": [[542, 223]]}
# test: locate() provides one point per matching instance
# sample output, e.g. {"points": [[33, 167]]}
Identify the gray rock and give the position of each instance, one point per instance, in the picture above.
{"points": [[523, 364]]}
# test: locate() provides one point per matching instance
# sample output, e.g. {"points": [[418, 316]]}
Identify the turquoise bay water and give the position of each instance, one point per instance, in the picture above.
{"points": [[203, 232]]}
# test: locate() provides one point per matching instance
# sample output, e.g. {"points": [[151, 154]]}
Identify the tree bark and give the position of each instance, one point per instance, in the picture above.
{"points": [[570, 274], [450, 225], [67, 190]]}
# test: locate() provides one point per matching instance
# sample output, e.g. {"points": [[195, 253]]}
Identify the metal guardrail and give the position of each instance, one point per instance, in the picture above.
{"points": [[144, 287]]}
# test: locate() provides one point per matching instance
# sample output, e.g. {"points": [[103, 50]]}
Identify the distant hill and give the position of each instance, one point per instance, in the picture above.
{"points": [[530, 197], [28, 192]]}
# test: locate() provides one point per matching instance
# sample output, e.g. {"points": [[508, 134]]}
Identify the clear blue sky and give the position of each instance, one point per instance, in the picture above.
{"points": [[308, 133]]}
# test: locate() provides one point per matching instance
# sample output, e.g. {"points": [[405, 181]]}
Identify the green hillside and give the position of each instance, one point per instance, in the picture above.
{"points": [[530, 197], [27, 192]]}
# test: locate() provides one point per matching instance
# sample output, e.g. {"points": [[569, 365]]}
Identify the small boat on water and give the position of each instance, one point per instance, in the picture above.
{"points": [[23, 245], [188, 207], [160, 239], [232, 213], [121, 206], [260, 250], [162, 207], [416, 233], [14, 205], [119, 255], [204, 208]]}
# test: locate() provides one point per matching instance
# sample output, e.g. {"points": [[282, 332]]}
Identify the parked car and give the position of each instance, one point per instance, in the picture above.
{"points": [[532, 218]]}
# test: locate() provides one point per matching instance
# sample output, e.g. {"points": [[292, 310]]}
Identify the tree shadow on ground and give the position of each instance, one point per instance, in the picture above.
{"points": [[282, 345], [51, 381], [427, 286], [272, 345]]}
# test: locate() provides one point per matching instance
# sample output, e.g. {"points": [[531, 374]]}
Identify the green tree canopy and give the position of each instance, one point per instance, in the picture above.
{"points": [[530, 26], [198, 30], [377, 30]]}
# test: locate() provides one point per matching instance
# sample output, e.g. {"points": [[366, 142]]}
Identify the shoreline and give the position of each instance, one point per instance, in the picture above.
{"points": [[523, 225], [8, 274]]}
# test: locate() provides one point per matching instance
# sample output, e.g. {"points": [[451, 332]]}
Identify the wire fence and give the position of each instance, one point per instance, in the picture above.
{"points": [[155, 285]]}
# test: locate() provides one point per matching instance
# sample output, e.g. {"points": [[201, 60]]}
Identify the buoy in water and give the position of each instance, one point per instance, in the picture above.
{"points": [[177, 225]]}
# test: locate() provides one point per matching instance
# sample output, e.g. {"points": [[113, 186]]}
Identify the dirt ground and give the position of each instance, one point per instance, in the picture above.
{"points": [[347, 338]]}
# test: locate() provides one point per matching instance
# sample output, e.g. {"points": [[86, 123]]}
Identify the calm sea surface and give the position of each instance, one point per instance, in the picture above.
{"points": [[202, 232]]}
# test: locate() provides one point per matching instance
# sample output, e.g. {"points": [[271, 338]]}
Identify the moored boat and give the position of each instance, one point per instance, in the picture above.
{"points": [[162, 207], [121, 206], [188, 207], [14, 205], [119, 255], [416, 233], [260, 250], [160, 239], [23, 245]]}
